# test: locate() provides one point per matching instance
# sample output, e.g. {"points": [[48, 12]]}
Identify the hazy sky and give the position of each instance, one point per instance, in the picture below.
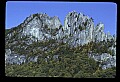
{"points": [[105, 12]]}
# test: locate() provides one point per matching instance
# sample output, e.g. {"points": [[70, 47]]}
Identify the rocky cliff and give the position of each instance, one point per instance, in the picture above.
{"points": [[78, 30]]}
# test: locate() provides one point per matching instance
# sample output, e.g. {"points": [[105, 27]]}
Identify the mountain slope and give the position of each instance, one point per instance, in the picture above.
{"points": [[44, 41]]}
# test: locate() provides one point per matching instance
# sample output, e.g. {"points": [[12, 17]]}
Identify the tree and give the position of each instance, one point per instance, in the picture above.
{"points": [[107, 73], [81, 28]]}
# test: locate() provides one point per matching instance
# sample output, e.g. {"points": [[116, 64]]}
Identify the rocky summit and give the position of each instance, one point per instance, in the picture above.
{"points": [[40, 34], [78, 28]]}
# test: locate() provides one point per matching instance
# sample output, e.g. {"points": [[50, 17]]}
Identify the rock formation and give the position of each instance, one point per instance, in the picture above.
{"points": [[78, 29]]}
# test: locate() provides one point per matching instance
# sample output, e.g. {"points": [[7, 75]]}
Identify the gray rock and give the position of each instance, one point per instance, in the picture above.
{"points": [[46, 60], [55, 56], [113, 49], [107, 60], [48, 57], [72, 22], [88, 34], [105, 56], [41, 26], [7, 55], [15, 59], [22, 59], [7, 52], [109, 36], [33, 59], [78, 28]]}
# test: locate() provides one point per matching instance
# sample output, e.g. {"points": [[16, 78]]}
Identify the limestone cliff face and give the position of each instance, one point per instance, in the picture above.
{"points": [[78, 29], [41, 26], [81, 29]]}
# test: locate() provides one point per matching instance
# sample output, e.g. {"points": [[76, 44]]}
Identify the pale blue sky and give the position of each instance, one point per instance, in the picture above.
{"points": [[105, 12]]}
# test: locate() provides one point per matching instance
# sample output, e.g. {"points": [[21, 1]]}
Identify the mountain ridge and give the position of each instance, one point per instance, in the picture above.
{"points": [[65, 28], [43, 36]]}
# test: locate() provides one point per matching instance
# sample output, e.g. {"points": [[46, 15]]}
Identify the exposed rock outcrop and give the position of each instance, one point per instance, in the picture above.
{"points": [[12, 58], [78, 29], [106, 60]]}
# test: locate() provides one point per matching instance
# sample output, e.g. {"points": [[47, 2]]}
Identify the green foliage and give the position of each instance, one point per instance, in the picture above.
{"points": [[81, 74], [34, 15], [60, 26], [107, 73], [46, 26], [72, 62], [7, 31], [81, 28], [85, 24]]}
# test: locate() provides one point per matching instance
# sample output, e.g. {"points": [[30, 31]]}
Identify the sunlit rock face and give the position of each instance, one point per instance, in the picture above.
{"points": [[12, 58], [78, 29], [73, 24], [106, 60], [98, 32], [41, 26]]}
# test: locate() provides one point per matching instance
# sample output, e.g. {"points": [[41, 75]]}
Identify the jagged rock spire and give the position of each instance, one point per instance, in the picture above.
{"points": [[78, 27]]}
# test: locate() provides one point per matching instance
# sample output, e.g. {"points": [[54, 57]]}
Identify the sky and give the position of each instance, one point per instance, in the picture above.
{"points": [[105, 12]]}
